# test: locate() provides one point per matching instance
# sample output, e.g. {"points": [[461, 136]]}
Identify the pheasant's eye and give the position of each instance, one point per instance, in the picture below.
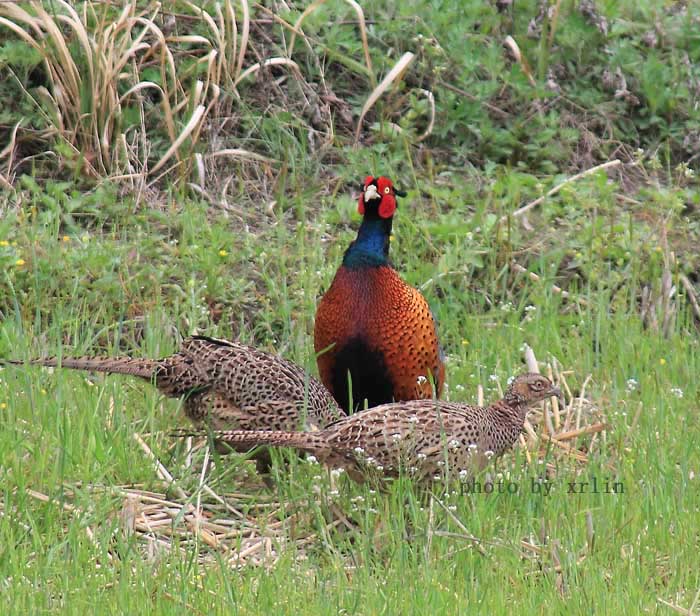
{"points": [[387, 190]]}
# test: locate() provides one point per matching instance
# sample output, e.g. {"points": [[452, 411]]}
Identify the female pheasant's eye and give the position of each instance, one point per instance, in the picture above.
{"points": [[387, 190]]}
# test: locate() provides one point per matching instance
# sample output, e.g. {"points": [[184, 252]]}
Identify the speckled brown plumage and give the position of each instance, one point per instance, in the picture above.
{"points": [[225, 385], [422, 437], [373, 325]]}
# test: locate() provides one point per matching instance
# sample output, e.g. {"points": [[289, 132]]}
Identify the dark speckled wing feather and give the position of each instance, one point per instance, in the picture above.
{"points": [[226, 384]]}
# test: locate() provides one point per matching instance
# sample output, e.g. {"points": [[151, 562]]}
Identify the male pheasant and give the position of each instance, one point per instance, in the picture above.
{"points": [[422, 438], [372, 329], [225, 385]]}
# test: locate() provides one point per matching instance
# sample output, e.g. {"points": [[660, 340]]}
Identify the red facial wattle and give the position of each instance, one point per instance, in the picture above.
{"points": [[387, 206]]}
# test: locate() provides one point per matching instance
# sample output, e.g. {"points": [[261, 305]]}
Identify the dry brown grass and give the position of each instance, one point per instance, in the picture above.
{"points": [[95, 66], [100, 67]]}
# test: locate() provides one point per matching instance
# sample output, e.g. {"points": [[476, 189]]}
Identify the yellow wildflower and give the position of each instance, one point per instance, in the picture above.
{"points": [[223, 253], [20, 262], [4, 243], [662, 362]]}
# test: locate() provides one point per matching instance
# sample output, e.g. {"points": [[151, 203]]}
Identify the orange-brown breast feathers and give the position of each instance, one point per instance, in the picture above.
{"points": [[374, 320]]}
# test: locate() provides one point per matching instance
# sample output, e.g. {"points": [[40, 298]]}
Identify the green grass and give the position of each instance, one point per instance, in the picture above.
{"points": [[58, 431], [97, 268]]}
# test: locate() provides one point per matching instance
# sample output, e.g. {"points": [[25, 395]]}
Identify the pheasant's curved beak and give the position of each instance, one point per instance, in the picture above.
{"points": [[555, 392], [371, 193]]}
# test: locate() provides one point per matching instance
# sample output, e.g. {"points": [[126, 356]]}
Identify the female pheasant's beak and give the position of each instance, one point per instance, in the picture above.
{"points": [[371, 193], [555, 392]]}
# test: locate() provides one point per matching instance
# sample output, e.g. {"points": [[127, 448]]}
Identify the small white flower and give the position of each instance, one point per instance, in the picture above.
{"points": [[463, 474], [632, 384], [395, 437], [421, 379], [489, 454], [677, 391], [337, 472], [312, 459], [413, 419], [413, 469], [380, 468], [421, 456], [530, 308], [333, 493], [459, 387], [493, 378], [359, 451], [691, 475], [454, 444], [440, 463], [436, 477], [472, 446], [510, 380], [452, 507]]}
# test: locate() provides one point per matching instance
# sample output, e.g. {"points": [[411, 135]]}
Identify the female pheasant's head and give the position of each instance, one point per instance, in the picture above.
{"points": [[530, 388], [378, 195]]}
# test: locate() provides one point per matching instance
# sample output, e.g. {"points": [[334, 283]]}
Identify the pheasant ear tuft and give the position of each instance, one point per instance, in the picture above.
{"points": [[399, 193]]}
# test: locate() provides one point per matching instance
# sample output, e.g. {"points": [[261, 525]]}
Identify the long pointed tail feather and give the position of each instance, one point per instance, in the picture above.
{"points": [[310, 442], [143, 368]]}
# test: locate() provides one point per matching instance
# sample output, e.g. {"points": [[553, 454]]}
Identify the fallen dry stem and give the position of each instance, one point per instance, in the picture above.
{"points": [[565, 436], [467, 535], [394, 75], [526, 208], [689, 289]]}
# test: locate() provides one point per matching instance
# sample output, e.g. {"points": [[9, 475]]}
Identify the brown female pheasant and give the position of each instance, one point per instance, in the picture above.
{"points": [[372, 330], [225, 385], [423, 438]]}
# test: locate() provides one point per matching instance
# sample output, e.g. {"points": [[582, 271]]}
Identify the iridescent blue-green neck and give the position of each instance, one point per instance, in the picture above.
{"points": [[371, 248]]}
